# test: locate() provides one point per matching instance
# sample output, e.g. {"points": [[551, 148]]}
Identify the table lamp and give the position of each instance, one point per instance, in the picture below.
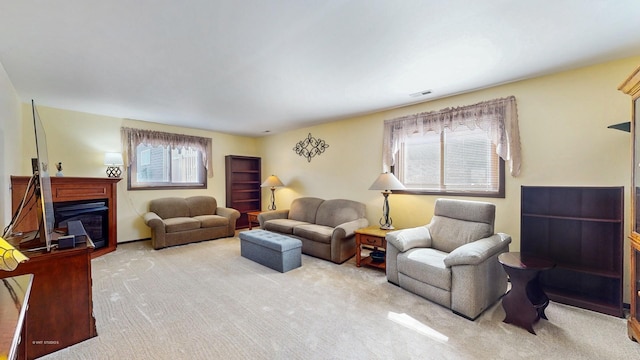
{"points": [[272, 182], [113, 160], [386, 182]]}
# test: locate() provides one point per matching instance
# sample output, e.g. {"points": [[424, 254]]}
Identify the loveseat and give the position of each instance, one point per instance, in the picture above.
{"points": [[325, 227], [176, 220]]}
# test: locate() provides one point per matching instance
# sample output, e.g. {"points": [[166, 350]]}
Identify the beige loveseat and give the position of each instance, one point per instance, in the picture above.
{"points": [[325, 227], [176, 221]]}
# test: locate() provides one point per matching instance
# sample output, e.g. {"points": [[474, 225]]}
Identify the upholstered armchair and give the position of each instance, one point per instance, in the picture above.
{"points": [[453, 260]]}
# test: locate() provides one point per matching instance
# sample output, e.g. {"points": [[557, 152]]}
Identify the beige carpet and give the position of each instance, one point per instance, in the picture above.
{"points": [[205, 301]]}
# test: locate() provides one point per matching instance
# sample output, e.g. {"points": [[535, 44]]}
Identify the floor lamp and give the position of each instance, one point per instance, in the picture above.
{"points": [[272, 182], [386, 182]]}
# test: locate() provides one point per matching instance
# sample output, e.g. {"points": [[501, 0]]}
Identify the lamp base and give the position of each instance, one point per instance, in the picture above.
{"points": [[387, 227], [114, 171]]}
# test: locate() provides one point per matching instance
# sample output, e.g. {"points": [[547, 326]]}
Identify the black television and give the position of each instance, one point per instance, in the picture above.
{"points": [[47, 218]]}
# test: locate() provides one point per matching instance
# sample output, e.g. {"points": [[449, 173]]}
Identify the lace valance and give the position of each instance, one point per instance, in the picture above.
{"points": [[131, 138], [498, 118]]}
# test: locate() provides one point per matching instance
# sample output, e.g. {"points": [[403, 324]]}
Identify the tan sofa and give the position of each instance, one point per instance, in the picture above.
{"points": [[176, 221], [325, 227]]}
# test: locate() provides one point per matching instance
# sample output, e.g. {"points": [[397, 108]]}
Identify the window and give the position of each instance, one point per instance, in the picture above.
{"points": [[461, 162], [163, 160], [459, 151]]}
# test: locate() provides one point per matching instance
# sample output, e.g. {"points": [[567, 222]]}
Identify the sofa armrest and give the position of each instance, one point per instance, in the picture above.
{"points": [[478, 251], [406, 239], [229, 213], [348, 229], [270, 215], [154, 221]]}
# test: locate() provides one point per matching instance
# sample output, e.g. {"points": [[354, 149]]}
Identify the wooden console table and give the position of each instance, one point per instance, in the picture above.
{"points": [[14, 301], [70, 189], [61, 304]]}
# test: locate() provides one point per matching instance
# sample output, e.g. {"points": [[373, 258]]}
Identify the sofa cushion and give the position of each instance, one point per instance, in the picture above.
{"points": [[304, 209], [177, 224], [426, 265], [318, 233], [339, 211], [201, 205], [284, 226], [170, 207], [211, 220]]}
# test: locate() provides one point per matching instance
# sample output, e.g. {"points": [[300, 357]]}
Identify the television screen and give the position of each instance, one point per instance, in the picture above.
{"points": [[46, 199]]}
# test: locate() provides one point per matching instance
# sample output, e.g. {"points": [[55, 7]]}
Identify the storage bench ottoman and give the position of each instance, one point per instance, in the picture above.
{"points": [[273, 250]]}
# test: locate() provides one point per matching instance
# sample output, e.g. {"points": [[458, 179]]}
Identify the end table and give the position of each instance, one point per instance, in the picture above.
{"points": [[371, 236], [525, 302], [252, 218]]}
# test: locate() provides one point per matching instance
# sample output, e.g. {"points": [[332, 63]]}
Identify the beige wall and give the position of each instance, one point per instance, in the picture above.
{"points": [[563, 120], [565, 141], [10, 142], [79, 141]]}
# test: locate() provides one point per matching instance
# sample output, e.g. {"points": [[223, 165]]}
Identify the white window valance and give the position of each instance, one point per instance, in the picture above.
{"points": [[131, 138], [499, 118]]}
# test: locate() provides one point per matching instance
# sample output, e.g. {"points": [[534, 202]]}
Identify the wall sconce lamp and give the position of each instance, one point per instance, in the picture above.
{"points": [[386, 182], [113, 160], [272, 182], [9, 256]]}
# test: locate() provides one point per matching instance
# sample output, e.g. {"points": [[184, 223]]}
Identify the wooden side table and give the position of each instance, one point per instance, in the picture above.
{"points": [[252, 217], [371, 236], [525, 302]]}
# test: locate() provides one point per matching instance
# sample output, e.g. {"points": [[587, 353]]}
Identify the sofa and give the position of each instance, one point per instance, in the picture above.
{"points": [[177, 221], [325, 227], [453, 260]]}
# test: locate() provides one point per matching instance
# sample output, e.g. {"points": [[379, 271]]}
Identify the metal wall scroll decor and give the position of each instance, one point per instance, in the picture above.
{"points": [[310, 147]]}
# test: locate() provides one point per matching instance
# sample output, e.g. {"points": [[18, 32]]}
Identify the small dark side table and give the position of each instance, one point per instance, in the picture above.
{"points": [[525, 302]]}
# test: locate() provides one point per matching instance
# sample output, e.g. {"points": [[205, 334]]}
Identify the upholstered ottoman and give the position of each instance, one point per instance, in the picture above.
{"points": [[273, 250]]}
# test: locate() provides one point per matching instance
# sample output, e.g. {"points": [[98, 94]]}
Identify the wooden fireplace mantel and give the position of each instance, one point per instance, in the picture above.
{"points": [[69, 189]]}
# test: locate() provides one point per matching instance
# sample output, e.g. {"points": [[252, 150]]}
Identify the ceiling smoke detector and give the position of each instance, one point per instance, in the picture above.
{"points": [[421, 93]]}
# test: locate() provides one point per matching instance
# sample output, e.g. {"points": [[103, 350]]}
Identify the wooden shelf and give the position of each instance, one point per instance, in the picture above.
{"points": [[243, 179], [572, 218], [581, 230]]}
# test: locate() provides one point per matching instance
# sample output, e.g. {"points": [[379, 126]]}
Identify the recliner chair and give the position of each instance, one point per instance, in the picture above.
{"points": [[453, 260]]}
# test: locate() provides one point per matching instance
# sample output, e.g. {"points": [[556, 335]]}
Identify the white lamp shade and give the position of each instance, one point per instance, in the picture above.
{"points": [[387, 181], [113, 159], [272, 181]]}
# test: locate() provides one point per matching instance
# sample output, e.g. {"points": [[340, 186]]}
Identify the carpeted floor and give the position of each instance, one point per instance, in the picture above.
{"points": [[205, 301]]}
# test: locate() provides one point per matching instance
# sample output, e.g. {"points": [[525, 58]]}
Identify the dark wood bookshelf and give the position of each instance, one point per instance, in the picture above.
{"points": [[581, 230], [243, 179]]}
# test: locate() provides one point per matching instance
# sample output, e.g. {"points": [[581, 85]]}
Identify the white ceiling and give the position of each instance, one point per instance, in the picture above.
{"points": [[249, 66]]}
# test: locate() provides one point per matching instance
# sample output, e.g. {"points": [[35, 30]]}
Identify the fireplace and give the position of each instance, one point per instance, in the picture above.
{"points": [[92, 213]]}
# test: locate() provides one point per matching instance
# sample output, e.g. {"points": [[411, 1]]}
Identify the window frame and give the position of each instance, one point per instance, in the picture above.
{"points": [[500, 193], [132, 138], [133, 171]]}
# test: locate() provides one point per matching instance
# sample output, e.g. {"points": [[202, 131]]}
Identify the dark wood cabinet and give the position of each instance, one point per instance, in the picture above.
{"points": [[60, 310], [243, 179], [631, 86], [581, 230]]}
